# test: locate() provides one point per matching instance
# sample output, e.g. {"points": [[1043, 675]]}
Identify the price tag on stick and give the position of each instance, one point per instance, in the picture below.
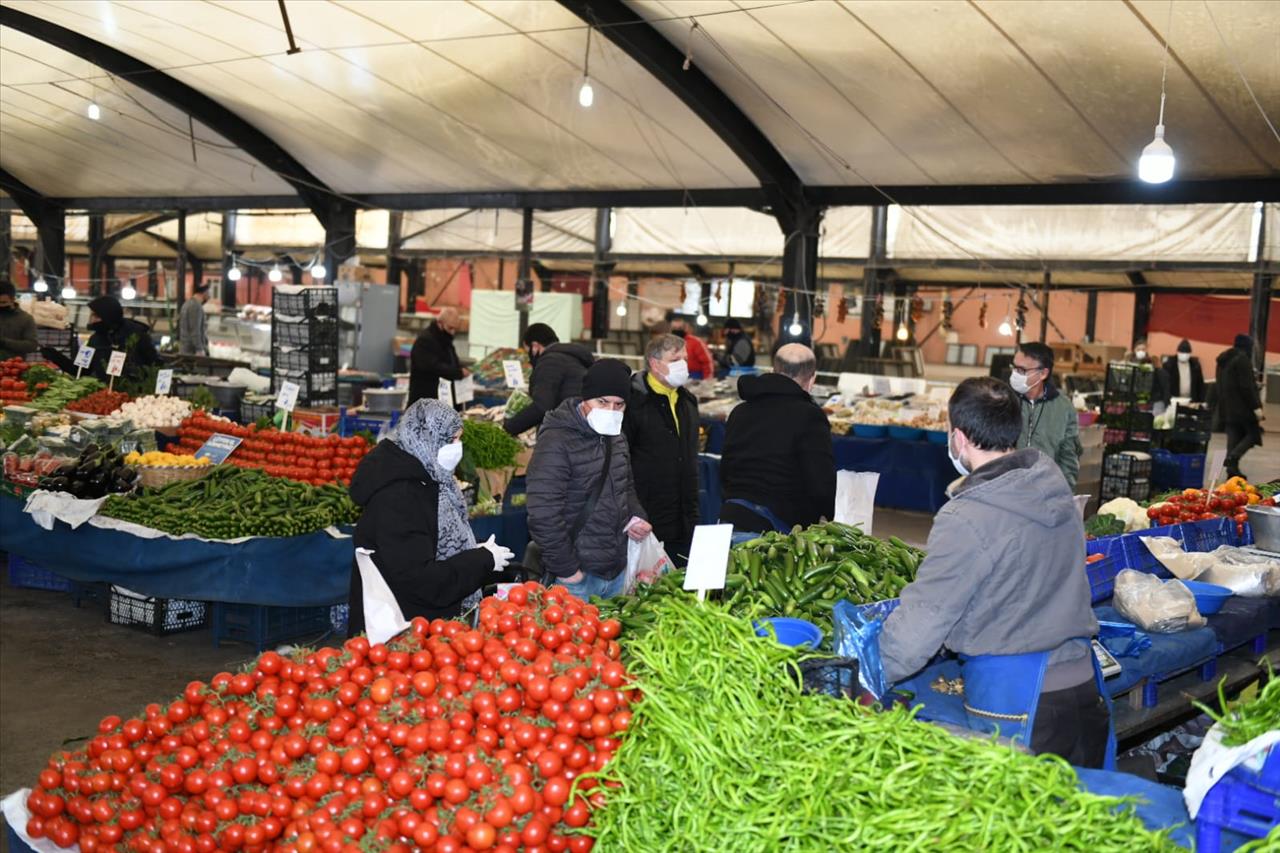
{"points": [[464, 390], [84, 358], [514, 372], [286, 400], [708, 558], [444, 392], [164, 381], [1216, 460], [115, 366]]}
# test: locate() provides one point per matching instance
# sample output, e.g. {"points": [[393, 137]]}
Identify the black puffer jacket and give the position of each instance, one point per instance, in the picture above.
{"points": [[399, 524], [432, 358], [1237, 391], [664, 461], [567, 462], [557, 376], [777, 453]]}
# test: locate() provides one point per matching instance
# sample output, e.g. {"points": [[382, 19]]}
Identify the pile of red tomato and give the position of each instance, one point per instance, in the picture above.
{"points": [[1228, 501], [12, 388], [309, 459], [101, 402], [446, 739]]}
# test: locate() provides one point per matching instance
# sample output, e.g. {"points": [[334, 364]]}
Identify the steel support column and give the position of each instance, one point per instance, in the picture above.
{"points": [[50, 220], [1044, 308], [395, 262], [180, 268], [1260, 301], [1091, 317], [339, 236], [153, 277], [800, 271], [524, 277], [6, 246], [600, 269], [97, 235], [1141, 307], [230, 289], [873, 281]]}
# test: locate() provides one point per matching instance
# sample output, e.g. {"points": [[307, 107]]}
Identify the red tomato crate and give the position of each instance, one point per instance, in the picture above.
{"points": [[1244, 801]]}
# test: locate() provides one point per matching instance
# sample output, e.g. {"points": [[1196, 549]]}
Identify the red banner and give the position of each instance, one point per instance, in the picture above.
{"points": [[1215, 319]]}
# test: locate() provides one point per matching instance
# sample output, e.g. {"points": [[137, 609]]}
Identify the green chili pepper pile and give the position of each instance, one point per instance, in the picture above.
{"points": [[726, 753], [1241, 722], [487, 445], [63, 390], [230, 503]]}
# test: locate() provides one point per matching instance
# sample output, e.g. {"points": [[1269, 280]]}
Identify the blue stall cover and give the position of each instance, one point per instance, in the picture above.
{"points": [[1168, 653]]}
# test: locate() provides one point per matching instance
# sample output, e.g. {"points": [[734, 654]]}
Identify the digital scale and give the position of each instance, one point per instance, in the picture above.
{"points": [[1109, 665]]}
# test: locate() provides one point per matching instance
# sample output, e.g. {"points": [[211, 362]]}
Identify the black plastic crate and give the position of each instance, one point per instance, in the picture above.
{"points": [[63, 340], [1125, 379], [309, 384], [251, 413], [1192, 420], [262, 626], [1138, 489], [308, 303], [1124, 465], [321, 332], [159, 616], [322, 359]]}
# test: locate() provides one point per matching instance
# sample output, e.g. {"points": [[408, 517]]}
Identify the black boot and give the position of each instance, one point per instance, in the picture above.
{"points": [[1233, 468]]}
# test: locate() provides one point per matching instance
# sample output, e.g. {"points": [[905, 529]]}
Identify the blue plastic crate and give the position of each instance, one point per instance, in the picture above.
{"points": [[262, 626], [1244, 801], [1138, 557], [27, 575], [1177, 470], [339, 616], [1209, 535], [1102, 578]]}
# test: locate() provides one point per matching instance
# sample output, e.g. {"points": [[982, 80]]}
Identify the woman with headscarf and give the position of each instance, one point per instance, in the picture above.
{"points": [[415, 521], [110, 331]]}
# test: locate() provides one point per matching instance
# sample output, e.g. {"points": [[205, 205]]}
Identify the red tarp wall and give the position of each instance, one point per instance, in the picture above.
{"points": [[1217, 319]]}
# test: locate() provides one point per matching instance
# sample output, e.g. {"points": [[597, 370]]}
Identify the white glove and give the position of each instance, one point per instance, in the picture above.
{"points": [[501, 556]]}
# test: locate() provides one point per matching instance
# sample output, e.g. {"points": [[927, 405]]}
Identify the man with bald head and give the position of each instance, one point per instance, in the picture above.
{"points": [[778, 469], [433, 357]]}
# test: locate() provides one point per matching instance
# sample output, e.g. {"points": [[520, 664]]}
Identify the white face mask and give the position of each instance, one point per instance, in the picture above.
{"points": [[448, 456], [955, 457], [1019, 382], [605, 421], [1184, 357], [677, 373], [1139, 354]]}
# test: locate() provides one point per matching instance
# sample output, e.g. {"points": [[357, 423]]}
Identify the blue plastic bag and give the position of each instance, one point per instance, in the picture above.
{"points": [[856, 629]]}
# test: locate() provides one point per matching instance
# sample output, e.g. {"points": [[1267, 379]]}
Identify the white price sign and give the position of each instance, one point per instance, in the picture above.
{"points": [[514, 372], [115, 365], [708, 556], [444, 392], [288, 396], [164, 381], [84, 357], [1216, 460], [464, 390]]}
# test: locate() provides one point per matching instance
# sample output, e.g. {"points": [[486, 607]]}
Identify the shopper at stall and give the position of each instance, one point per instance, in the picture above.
{"points": [[1239, 409], [17, 327], [557, 375], [582, 499], [193, 324], [700, 364], [415, 520], [661, 426], [777, 469], [1183, 374], [434, 358], [1003, 585], [111, 331], [1159, 381], [1049, 420], [738, 349]]}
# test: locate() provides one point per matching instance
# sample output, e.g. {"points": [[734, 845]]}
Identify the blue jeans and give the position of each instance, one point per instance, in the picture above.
{"points": [[595, 585]]}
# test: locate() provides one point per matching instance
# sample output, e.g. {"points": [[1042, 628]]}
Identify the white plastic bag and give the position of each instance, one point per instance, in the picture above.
{"points": [[1156, 606], [856, 498], [383, 618], [1182, 564], [646, 562], [1246, 573]]}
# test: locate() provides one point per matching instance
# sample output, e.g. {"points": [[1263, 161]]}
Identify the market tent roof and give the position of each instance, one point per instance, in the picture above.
{"points": [[393, 97]]}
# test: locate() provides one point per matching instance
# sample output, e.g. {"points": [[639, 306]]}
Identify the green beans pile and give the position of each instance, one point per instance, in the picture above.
{"points": [[1241, 722], [726, 753], [63, 390], [231, 503]]}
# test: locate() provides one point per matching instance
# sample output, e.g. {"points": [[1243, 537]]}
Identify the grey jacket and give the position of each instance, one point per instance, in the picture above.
{"points": [[1052, 426], [17, 333], [193, 329], [1004, 575], [566, 464]]}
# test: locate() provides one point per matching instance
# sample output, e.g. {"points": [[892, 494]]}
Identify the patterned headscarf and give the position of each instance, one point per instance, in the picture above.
{"points": [[427, 426]]}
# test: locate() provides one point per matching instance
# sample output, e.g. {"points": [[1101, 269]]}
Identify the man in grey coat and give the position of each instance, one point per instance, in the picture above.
{"points": [[193, 325], [1004, 575], [582, 498]]}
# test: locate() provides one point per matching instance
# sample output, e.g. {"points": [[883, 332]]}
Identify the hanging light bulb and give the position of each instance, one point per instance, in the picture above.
{"points": [[40, 286], [94, 111], [233, 274], [318, 272], [1155, 166], [586, 94], [902, 334], [275, 275], [622, 309], [1006, 328], [701, 319], [68, 292], [127, 292], [795, 328]]}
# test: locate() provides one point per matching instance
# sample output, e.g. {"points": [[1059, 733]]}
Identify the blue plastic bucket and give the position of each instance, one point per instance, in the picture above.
{"points": [[790, 631], [1209, 597]]}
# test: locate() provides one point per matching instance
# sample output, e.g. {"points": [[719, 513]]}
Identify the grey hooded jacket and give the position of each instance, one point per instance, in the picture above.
{"points": [[1004, 575], [566, 464]]}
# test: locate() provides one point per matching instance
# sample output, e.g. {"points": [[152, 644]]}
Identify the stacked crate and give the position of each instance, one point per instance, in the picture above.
{"points": [[304, 343], [1128, 425]]}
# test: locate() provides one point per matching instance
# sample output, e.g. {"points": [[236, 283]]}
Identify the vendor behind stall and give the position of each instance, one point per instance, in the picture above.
{"points": [[1004, 586], [112, 331], [17, 327], [415, 520], [557, 375]]}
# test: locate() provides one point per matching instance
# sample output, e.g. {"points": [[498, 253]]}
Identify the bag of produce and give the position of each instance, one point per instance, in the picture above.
{"points": [[1156, 606], [646, 562], [1244, 572], [1183, 565], [857, 635]]}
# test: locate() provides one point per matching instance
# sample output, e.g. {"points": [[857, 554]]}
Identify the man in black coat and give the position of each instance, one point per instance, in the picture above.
{"points": [[661, 426], [557, 375], [778, 469], [112, 331], [1239, 406], [1183, 374], [433, 358]]}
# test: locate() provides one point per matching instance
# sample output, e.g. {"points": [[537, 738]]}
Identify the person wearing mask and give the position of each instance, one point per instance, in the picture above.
{"points": [[1001, 586], [700, 364], [557, 375], [1183, 375], [738, 349], [1239, 407], [111, 331], [415, 521], [1159, 382], [434, 358], [582, 498], [193, 323], [661, 426], [17, 327], [777, 468], [1049, 420]]}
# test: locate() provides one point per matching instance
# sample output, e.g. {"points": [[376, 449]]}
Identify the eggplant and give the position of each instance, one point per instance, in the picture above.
{"points": [[78, 489], [56, 484]]}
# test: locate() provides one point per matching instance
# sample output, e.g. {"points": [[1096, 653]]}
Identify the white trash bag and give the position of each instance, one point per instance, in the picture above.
{"points": [[383, 618]]}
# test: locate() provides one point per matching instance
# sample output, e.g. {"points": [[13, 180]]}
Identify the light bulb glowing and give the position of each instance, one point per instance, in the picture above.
{"points": [[275, 275], [622, 309], [41, 286], [127, 292], [1006, 328], [318, 271], [68, 292], [795, 328], [902, 333], [701, 319], [233, 274], [586, 95], [95, 111], [1155, 166]]}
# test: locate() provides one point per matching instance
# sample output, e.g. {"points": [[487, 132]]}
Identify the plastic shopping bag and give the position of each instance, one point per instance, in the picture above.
{"points": [[1154, 605], [383, 618], [856, 498], [857, 635], [646, 562]]}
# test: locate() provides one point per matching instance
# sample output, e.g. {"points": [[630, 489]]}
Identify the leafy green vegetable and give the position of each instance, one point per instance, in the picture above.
{"points": [[1103, 525], [487, 445], [518, 402], [202, 398]]}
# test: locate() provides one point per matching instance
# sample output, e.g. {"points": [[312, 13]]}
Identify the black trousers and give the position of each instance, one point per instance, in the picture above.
{"points": [[1240, 437], [1072, 723]]}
